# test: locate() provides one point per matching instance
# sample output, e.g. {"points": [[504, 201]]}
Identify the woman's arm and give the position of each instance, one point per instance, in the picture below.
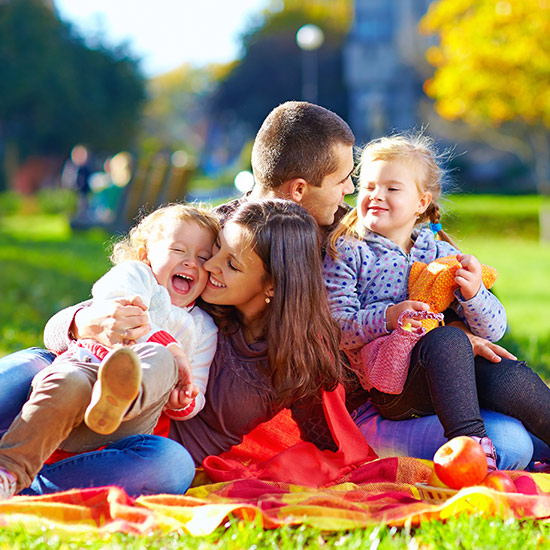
{"points": [[109, 323]]}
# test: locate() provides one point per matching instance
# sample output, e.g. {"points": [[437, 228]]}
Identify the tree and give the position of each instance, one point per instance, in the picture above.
{"points": [[55, 91], [493, 72], [270, 71]]}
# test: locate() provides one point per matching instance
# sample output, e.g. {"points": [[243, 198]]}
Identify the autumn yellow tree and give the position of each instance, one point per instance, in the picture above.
{"points": [[492, 70]]}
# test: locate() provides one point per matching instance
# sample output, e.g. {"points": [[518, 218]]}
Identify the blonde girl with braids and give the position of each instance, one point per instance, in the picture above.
{"points": [[367, 271]]}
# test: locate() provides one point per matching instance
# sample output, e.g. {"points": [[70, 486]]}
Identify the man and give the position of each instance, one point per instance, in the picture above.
{"points": [[304, 153]]}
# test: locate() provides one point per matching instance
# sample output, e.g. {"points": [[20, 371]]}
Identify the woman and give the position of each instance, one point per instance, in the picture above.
{"points": [[276, 348]]}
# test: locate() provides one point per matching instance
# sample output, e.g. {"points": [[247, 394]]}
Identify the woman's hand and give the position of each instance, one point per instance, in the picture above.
{"points": [[468, 277], [185, 391], [118, 321]]}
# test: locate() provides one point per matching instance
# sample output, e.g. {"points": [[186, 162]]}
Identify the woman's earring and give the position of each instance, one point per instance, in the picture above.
{"points": [[267, 299]]}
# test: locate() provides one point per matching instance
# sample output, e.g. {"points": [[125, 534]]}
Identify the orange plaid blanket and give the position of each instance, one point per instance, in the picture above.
{"points": [[383, 491]]}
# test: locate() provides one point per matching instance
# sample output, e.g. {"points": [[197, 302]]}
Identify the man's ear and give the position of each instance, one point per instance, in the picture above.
{"points": [[297, 188]]}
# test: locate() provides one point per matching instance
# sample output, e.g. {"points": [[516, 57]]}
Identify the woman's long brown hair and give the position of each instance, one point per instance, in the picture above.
{"points": [[302, 338]]}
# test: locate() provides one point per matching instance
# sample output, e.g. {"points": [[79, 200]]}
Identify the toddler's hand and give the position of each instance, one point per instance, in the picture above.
{"points": [[468, 277], [393, 313], [185, 391]]}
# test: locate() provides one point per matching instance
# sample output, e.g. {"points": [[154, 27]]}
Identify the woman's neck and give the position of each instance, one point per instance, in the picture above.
{"points": [[253, 329]]}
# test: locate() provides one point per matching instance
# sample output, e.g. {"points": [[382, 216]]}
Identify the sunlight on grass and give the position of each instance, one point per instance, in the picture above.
{"points": [[523, 283]]}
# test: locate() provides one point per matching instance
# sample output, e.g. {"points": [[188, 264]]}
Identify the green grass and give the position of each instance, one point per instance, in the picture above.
{"points": [[45, 267], [463, 533]]}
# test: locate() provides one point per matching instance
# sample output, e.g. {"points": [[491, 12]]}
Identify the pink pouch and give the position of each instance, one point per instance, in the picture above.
{"points": [[385, 361]]}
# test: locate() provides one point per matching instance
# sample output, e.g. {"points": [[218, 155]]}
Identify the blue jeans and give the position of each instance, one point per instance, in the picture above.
{"points": [[140, 464], [16, 373], [421, 437]]}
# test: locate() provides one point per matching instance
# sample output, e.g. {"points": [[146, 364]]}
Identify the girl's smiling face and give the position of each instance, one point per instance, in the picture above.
{"points": [[177, 257], [237, 276], [389, 200]]}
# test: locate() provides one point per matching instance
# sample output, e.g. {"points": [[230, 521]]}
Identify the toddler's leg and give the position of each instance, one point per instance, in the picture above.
{"points": [[118, 384], [16, 373], [158, 379], [441, 379], [56, 405]]}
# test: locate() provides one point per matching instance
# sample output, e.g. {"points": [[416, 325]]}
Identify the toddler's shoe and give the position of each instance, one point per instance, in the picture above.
{"points": [[490, 451], [7, 485], [117, 385]]}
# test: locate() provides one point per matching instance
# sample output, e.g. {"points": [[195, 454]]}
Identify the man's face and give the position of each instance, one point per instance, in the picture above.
{"points": [[323, 202]]}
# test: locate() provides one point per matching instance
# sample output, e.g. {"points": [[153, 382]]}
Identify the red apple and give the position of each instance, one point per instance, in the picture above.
{"points": [[460, 462], [500, 481], [434, 481]]}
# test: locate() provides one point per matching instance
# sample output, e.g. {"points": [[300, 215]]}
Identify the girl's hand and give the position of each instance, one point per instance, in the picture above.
{"points": [[468, 277], [118, 321], [185, 391], [393, 313]]}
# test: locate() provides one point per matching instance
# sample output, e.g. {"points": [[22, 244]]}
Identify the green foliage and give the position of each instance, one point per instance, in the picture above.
{"points": [[494, 216], [55, 91], [483, 47], [270, 71]]}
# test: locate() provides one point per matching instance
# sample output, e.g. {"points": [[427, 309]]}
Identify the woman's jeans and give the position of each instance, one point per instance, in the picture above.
{"points": [[140, 464]]}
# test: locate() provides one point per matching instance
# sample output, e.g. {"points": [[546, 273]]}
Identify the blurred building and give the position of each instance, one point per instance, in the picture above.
{"points": [[383, 62]]}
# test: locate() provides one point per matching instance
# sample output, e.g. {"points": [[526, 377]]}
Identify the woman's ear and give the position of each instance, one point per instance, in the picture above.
{"points": [[269, 290], [142, 255]]}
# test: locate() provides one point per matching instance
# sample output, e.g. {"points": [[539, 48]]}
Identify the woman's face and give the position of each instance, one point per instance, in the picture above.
{"points": [[237, 276]]}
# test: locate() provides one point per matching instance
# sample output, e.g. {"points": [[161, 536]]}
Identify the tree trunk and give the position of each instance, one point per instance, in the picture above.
{"points": [[540, 141], [11, 162]]}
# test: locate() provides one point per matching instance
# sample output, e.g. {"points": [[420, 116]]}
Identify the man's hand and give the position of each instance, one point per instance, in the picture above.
{"points": [[468, 277], [118, 321], [185, 391], [491, 351], [393, 313], [483, 347]]}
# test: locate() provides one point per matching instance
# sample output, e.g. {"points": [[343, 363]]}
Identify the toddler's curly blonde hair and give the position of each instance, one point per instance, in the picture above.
{"points": [[151, 226]]}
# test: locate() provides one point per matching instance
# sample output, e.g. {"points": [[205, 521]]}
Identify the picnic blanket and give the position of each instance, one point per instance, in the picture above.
{"points": [[382, 491], [355, 489]]}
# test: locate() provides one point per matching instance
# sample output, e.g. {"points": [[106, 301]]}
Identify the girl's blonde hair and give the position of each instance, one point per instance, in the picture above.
{"points": [[151, 226], [420, 152]]}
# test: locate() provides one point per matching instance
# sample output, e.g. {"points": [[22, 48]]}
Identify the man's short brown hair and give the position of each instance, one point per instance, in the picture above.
{"points": [[296, 140]]}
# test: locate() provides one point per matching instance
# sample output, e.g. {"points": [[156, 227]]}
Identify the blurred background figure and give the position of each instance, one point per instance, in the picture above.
{"points": [[76, 175]]}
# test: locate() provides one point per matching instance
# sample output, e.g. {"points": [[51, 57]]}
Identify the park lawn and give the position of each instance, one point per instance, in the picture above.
{"points": [[463, 532], [45, 268]]}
